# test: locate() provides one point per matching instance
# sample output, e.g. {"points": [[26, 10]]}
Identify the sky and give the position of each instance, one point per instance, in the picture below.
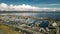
{"points": [[29, 5]]}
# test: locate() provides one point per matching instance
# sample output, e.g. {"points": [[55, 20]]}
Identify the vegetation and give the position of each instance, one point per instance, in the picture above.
{"points": [[4, 29]]}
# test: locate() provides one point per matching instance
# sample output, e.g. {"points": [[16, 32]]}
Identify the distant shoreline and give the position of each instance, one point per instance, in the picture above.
{"points": [[29, 11]]}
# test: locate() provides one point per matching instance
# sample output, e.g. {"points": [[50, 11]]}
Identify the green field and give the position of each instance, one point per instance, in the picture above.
{"points": [[4, 29]]}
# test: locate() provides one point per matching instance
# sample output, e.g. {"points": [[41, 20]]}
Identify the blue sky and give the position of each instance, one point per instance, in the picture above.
{"points": [[32, 2], [35, 3]]}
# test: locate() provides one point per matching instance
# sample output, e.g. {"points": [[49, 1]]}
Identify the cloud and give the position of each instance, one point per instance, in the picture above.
{"points": [[49, 4], [24, 7]]}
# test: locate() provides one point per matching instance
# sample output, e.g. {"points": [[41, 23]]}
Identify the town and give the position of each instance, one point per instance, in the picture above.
{"points": [[31, 25]]}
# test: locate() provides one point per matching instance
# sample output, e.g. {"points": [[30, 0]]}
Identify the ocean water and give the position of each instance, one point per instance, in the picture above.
{"points": [[52, 15], [55, 15]]}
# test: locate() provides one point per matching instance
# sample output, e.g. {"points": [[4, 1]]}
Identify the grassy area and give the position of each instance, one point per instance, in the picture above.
{"points": [[4, 29]]}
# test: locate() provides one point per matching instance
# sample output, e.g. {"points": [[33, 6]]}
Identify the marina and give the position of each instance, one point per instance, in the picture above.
{"points": [[29, 16], [23, 26]]}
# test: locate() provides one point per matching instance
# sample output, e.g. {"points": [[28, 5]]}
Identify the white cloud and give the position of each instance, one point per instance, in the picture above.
{"points": [[24, 7], [49, 4]]}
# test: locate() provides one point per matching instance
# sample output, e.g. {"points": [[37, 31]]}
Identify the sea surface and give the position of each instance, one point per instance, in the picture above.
{"points": [[55, 15]]}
